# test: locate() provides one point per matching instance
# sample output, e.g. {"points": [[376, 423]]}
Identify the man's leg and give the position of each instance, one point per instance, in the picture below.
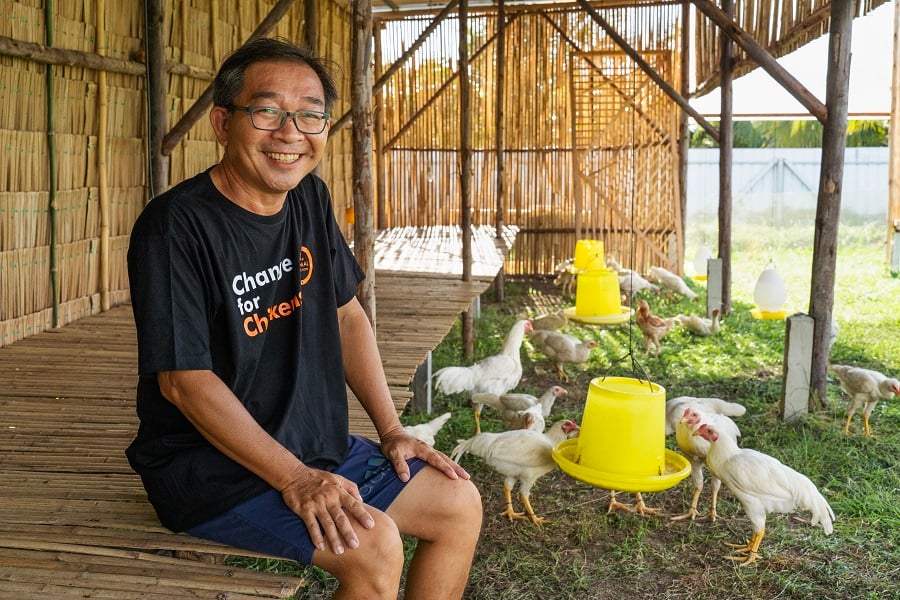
{"points": [[373, 569], [445, 515]]}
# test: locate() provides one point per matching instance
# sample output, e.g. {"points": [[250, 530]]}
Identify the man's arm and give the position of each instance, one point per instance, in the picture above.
{"points": [[317, 496], [365, 376]]}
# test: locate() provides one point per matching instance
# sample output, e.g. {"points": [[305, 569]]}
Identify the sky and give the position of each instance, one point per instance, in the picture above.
{"points": [[872, 42]]}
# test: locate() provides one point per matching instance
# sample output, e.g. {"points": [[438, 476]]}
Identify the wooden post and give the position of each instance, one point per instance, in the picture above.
{"points": [[828, 208], [797, 359], [361, 105], [465, 167], [500, 133], [893, 221], [726, 143], [157, 87], [311, 26]]}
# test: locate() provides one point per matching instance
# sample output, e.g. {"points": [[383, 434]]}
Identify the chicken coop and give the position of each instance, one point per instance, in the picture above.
{"points": [[570, 110]]}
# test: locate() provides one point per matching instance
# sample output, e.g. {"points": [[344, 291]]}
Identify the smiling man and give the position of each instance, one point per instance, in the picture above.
{"points": [[249, 331]]}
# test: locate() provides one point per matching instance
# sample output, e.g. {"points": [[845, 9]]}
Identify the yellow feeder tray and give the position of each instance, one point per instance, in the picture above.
{"points": [[613, 319], [676, 469], [757, 313], [700, 277]]}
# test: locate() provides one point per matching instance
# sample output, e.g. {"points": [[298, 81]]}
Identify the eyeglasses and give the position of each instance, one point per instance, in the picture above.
{"points": [[269, 118]]}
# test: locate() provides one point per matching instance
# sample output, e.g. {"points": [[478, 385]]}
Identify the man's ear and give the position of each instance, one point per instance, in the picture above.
{"points": [[219, 119]]}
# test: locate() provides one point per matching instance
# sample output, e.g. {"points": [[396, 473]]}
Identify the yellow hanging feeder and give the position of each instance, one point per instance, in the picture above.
{"points": [[622, 441]]}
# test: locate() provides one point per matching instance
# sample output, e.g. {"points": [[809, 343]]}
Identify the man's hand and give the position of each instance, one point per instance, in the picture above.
{"points": [[328, 504], [398, 446]]}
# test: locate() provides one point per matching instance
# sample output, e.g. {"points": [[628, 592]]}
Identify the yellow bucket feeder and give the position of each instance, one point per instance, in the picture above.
{"points": [[598, 300], [622, 441], [589, 255]]}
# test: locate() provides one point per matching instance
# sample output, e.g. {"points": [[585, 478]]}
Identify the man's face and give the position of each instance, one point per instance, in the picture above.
{"points": [[260, 163]]}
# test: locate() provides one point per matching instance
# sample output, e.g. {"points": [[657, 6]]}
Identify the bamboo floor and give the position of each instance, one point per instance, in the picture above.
{"points": [[74, 519]]}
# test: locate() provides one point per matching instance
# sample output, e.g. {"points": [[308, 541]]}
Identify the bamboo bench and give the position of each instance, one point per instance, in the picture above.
{"points": [[74, 518]]}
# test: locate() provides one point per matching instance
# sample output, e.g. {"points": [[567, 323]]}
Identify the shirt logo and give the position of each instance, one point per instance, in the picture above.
{"points": [[258, 319]]}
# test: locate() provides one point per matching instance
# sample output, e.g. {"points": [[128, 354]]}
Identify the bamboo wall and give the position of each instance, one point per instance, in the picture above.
{"points": [[588, 136], [98, 124]]}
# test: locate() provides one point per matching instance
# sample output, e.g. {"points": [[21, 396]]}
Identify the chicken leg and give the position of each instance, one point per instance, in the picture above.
{"points": [[643, 509], [747, 553], [530, 511], [638, 507], [616, 505], [692, 511], [561, 372], [509, 512]]}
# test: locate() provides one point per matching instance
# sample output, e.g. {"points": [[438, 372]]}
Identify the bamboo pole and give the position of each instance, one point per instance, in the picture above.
{"points": [[102, 149], [500, 141], [380, 169], [577, 190], [89, 60], [361, 103], [828, 209], [51, 167], [156, 92], [726, 144], [198, 109], [763, 58]]}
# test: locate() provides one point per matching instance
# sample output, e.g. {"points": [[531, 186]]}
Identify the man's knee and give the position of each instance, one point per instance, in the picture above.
{"points": [[375, 565]]}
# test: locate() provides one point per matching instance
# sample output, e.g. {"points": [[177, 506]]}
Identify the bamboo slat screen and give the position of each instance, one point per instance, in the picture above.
{"points": [[780, 26], [198, 33], [582, 123]]}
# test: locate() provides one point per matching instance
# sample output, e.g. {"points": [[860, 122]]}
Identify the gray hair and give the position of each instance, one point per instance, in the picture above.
{"points": [[229, 80]]}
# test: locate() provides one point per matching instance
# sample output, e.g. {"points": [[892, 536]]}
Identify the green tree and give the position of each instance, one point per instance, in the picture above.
{"points": [[800, 133]]}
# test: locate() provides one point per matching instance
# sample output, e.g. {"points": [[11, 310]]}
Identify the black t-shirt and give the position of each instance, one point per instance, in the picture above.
{"points": [[252, 298]]}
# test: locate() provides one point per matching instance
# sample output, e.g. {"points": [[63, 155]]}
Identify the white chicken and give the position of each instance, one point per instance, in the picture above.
{"points": [[762, 484], [865, 388], [613, 265], [696, 448], [671, 282], [511, 405], [562, 348], [498, 373], [522, 456], [698, 325], [675, 409], [426, 431], [631, 283]]}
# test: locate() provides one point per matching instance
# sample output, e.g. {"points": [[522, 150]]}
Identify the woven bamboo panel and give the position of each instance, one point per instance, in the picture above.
{"points": [[594, 133]]}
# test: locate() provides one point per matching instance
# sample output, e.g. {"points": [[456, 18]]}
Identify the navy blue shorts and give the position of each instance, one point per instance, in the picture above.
{"points": [[266, 524]]}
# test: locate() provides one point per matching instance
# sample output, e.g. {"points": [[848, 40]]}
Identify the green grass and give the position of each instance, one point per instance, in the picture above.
{"points": [[585, 553]]}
